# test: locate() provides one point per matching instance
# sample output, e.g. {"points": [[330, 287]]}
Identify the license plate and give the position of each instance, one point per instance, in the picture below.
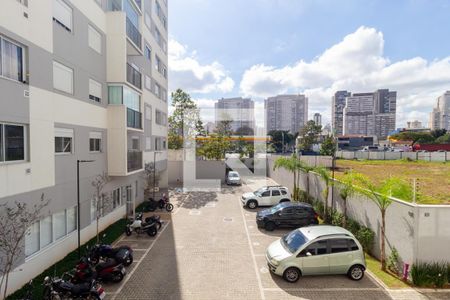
{"points": [[102, 295]]}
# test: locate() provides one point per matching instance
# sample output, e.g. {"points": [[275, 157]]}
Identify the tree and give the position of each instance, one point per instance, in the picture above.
{"points": [[414, 137], [324, 173], [15, 223], [185, 116], [443, 139], [224, 128], [381, 195], [347, 189], [293, 165], [101, 200], [437, 133], [151, 177], [328, 147], [244, 130], [308, 135], [280, 136], [214, 147]]}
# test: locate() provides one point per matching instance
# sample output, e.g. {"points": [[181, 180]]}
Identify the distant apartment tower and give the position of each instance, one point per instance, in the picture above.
{"points": [[414, 124], [317, 119], [337, 111], [286, 112], [240, 111], [370, 114], [440, 116], [79, 80]]}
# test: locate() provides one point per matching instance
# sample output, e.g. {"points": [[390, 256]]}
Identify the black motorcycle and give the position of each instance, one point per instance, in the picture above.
{"points": [[152, 204], [139, 226], [156, 219], [57, 288], [122, 254]]}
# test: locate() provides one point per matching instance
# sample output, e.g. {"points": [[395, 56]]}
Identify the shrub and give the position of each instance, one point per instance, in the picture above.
{"points": [[318, 207], [353, 226], [365, 236], [305, 197], [337, 218], [430, 274], [392, 261]]}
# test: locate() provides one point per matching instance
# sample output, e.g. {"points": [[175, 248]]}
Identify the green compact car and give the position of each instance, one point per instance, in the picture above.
{"points": [[316, 250]]}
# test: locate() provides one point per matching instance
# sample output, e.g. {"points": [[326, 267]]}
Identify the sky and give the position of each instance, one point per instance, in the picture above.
{"points": [[262, 48]]}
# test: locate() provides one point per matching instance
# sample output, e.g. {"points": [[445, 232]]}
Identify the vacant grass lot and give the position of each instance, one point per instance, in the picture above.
{"points": [[433, 177]]}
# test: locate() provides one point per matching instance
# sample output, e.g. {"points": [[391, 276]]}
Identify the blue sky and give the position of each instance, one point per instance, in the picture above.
{"points": [[259, 48]]}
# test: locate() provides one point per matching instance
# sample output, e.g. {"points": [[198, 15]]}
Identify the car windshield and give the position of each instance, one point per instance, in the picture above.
{"points": [[276, 208], [233, 174], [293, 241]]}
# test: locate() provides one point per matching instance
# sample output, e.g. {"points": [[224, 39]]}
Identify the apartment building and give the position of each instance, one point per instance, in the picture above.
{"points": [[440, 116], [286, 112], [317, 119], [240, 111], [337, 111], [368, 114], [80, 80]]}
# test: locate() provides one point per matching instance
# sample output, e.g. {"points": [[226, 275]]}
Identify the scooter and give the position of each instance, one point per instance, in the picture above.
{"points": [[57, 288], [138, 226], [122, 254], [109, 270]]}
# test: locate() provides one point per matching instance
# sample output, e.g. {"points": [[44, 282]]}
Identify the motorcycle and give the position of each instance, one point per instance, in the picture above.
{"points": [[139, 226], [156, 219], [152, 204], [57, 288], [109, 270], [122, 254]]}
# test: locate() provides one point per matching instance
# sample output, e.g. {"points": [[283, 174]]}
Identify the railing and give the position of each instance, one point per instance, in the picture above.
{"points": [[134, 34], [134, 160], [134, 118], [134, 77], [138, 3]]}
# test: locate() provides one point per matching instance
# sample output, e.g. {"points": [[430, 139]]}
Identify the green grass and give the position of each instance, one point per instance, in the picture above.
{"points": [[113, 232], [388, 279]]}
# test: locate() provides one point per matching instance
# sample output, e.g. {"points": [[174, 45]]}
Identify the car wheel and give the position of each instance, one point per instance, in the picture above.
{"points": [[252, 204], [292, 274], [117, 277], [269, 226], [128, 261], [356, 272], [284, 200]]}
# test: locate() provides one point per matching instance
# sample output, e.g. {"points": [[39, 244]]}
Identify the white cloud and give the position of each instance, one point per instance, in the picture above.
{"points": [[187, 73], [356, 64]]}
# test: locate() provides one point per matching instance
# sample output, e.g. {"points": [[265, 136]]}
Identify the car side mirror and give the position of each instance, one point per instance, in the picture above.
{"points": [[308, 253]]}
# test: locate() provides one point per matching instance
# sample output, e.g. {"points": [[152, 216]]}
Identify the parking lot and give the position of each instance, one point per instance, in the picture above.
{"points": [[210, 248]]}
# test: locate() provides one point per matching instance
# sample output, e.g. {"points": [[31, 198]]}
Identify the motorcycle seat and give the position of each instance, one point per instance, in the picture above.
{"points": [[81, 288], [107, 264]]}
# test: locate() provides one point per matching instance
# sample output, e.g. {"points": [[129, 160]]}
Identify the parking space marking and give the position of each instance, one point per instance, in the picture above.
{"points": [[122, 284], [261, 290], [320, 289], [139, 249]]}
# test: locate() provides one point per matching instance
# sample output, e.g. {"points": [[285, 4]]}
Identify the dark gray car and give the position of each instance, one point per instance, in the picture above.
{"points": [[287, 214]]}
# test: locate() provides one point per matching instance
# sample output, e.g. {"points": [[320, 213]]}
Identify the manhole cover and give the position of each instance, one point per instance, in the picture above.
{"points": [[228, 219], [195, 212]]}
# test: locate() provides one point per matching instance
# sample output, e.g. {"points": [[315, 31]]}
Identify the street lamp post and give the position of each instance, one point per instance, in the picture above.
{"points": [[154, 172], [78, 203]]}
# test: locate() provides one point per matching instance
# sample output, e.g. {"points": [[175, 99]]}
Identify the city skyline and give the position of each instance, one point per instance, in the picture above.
{"points": [[360, 52]]}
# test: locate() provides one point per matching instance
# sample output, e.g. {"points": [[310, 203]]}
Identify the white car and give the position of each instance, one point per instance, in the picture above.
{"points": [[266, 196], [233, 178]]}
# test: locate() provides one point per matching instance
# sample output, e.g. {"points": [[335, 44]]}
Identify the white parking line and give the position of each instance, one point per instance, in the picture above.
{"points": [[139, 262], [319, 289], [263, 297]]}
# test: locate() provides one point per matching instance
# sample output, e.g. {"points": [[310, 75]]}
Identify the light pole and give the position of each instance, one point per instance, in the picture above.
{"points": [[154, 172], [78, 202]]}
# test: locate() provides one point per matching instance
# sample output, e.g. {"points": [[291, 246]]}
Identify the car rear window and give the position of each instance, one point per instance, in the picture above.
{"points": [[275, 193], [283, 192]]}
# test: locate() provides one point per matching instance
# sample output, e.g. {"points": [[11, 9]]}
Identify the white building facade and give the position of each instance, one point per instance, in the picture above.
{"points": [[240, 111], [286, 112], [440, 116], [80, 80]]}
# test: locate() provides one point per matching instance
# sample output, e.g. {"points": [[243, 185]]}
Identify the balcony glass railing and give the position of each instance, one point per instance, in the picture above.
{"points": [[134, 119], [134, 159], [133, 33], [134, 77]]}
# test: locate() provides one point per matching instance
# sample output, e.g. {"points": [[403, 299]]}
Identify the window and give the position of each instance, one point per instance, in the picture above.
{"points": [[95, 141], [148, 143], [148, 52], [275, 193], [11, 60], [63, 140], [94, 39], [12, 142], [157, 90], [316, 248], [23, 2], [164, 95], [62, 78], [158, 145], [71, 219], [352, 245], [95, 90], [148, 83], [62, 14], [339, 245], [157, 63], [148, 113], [283, 192], [160, 117], [164, 71], [46, 232], [32, 239], [287, 211], [135, 143], [164, 144], [116, 198], [59, 225], [147, 21], [93, 209], [265, 194]]}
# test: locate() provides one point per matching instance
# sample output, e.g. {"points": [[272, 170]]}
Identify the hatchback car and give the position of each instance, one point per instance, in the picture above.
{"points": [[316, 250], [233, 178], [286, 214], [266, 196]]}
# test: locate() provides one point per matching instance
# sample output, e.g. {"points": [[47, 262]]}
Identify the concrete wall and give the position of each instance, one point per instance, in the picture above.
{"points": [[418, 232], [427, 156]]}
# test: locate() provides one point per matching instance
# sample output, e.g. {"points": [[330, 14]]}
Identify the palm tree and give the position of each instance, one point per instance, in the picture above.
{"points": [[381, 195], [305, 168], [324, 173], [291, 164], [346, 190]]}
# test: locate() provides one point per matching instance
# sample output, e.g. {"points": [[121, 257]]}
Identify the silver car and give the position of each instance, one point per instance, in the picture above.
{"points": [[316, 250], [233, 178]]}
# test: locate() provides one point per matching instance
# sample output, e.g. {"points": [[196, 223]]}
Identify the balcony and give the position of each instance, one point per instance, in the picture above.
{"points": [[133, 34], [134, 160], [134, 119], [134, 77]]}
